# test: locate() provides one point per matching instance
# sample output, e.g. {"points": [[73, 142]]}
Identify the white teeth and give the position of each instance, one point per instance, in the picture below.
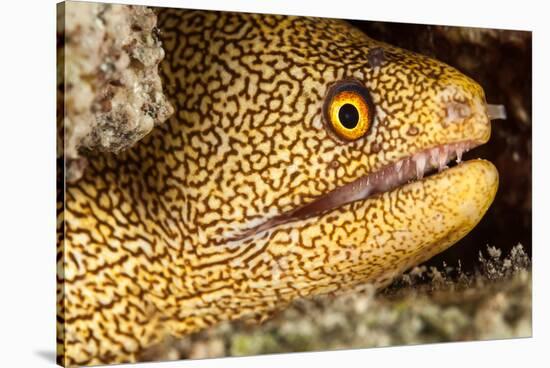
{"points": [[434, 154], [398, 166], [420, 161], [459, 152], [443, 158], [400, 171]]}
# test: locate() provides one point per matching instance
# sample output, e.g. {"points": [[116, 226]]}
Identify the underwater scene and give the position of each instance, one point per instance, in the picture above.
{"points": [[233, 184]]}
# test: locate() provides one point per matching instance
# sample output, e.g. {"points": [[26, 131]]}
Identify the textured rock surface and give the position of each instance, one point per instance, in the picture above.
{"points": [[113, 93], [422, 306]]}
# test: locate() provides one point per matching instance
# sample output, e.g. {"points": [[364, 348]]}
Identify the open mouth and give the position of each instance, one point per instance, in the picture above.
{"points": [[409, 169]]}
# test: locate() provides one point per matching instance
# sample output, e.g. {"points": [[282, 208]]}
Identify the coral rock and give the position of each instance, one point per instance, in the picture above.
{"points": [[112, 90]]}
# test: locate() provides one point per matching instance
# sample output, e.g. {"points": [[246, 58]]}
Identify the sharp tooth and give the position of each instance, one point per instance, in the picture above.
{"points": [[459, 152], [420, 161], [402, 170], [443, 158], [398, 166], [434, 154]]}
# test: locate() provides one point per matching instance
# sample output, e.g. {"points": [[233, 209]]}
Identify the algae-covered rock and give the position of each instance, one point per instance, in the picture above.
{"points": [[425, 305], [109, 90]]}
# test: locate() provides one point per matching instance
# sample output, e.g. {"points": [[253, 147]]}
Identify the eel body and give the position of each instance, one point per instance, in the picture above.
{"points": [[297, 163]]}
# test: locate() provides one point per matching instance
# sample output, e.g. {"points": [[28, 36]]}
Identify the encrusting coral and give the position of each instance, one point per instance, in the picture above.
{"points": [[108, 73]]}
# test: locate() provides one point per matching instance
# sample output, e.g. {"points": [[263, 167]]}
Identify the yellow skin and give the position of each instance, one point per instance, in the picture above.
{"points": [[167, 238]]}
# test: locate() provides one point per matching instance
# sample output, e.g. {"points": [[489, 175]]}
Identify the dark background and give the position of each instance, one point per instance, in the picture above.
{"points": [[501, 62]]}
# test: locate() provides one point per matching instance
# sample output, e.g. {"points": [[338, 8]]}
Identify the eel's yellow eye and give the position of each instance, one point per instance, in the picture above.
{"points": [[348, 110]]}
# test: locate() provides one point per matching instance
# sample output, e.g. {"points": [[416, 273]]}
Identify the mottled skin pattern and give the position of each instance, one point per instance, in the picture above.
{"points": [[145, 242]]}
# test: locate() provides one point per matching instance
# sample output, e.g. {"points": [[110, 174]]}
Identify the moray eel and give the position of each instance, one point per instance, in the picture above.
{"points": [[304, 158]]}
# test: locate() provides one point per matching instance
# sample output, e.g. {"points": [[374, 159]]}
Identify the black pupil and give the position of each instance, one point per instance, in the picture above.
{"points": [[349, 116]]}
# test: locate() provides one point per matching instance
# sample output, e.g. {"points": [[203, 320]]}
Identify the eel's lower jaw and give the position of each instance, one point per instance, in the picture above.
{"points": [[392, 176]]}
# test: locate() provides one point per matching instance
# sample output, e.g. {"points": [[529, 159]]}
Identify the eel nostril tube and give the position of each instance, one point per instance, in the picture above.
{"points": [[496, 112]]}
